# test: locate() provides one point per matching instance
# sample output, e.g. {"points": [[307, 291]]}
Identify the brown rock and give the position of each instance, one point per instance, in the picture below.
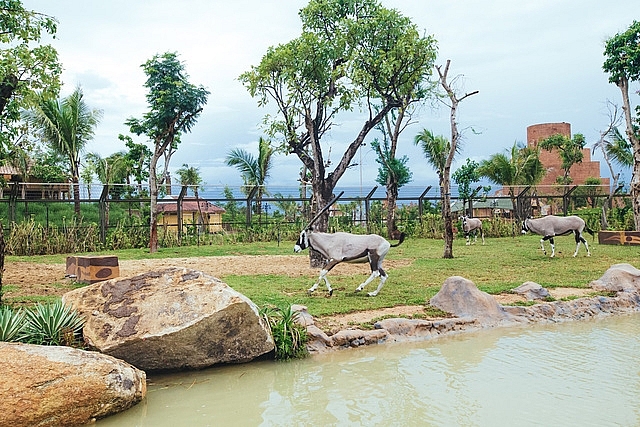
{"points": [[59, 386], [171, 319]]}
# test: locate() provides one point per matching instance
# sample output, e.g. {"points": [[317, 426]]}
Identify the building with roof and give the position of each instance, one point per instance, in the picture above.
{"points": [[201, 213]]}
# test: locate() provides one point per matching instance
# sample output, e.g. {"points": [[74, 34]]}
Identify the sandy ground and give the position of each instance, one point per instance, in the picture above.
{"points": [[24, 279]]}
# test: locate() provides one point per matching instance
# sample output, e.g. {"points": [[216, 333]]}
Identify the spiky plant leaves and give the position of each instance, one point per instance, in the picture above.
{"points": [[11, 324], [52, 324], [289, 337]]}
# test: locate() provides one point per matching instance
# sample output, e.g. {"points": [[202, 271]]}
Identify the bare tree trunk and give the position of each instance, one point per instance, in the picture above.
{"points": [[635, 144], [76, 196], [455, 137], [153, 196], [392, 197]]}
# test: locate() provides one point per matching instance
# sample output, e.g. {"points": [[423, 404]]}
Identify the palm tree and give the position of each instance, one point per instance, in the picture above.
{"points": [[190, 176], [522, 167], [615, 149], [255, 172], [439, 154], [110, 170], [66, 125]]}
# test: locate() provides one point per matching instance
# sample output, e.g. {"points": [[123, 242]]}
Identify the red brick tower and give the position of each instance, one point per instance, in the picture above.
{"points": [[551, 159]]}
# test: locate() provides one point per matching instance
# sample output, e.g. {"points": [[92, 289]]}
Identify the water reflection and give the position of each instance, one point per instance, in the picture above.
{"points": [[578, 373]]}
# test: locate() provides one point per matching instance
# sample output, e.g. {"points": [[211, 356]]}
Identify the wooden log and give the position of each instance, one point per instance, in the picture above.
{"points": [[607, 237], [92, 269]]}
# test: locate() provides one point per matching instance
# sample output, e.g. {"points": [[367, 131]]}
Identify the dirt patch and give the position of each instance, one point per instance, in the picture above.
{"points": [[25, 279]]}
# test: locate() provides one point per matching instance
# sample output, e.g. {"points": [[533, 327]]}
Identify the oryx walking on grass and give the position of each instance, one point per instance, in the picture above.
{"points": [[472, 226], [551, 226], [344, 247]]}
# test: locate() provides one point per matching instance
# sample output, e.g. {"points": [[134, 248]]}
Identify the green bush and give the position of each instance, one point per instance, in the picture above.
{"points": [[52, 324], [289, 337]]}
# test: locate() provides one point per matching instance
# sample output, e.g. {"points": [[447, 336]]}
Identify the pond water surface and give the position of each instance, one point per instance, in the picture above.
{"points": [[584, 373]]}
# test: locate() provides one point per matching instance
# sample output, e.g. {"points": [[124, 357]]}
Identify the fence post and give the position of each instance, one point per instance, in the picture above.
{"points": [[565, 199], [13, 199], [183, 192], [253, 192], [103, 211], [367, 200], [520, 210], [420, 200]]}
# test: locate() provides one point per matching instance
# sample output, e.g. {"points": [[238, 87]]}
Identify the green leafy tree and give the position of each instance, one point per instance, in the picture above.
{"points": [[109, 170], [29, 70], [569, 149], [255, 171], [622, 63], [464, 177], [139, 157], [521, 166], [66, 125], [174, 107], [352, 55]]}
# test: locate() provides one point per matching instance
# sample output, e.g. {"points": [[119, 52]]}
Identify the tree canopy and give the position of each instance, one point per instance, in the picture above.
{"points": [[29, 71], [353, 56], [622, 62]]}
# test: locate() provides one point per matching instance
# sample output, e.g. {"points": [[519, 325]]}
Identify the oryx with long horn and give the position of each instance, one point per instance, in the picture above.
{"points": [[550, 226], [344, 247]]}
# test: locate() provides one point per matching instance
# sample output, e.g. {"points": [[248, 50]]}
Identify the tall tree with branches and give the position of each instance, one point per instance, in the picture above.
{"points": [[174, 107], [255, 171], [66, 125], [452, 100], [622, 53], [351, 53]]}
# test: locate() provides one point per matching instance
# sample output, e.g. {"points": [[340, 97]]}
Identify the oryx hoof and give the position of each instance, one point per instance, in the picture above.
{"points": [[372, 294], [357, 290], [330, 293], [310, 291]]}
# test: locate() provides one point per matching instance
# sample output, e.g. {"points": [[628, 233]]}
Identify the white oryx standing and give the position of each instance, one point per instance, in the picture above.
{"points": [[472, 225], [344, 247], [551, 226]]}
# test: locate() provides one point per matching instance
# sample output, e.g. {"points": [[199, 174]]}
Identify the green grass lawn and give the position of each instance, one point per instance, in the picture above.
{"points": [[499, 266]]}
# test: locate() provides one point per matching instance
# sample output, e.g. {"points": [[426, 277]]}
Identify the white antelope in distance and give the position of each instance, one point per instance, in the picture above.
{"points": [[344, 247], [472, 225], [551, 226]]}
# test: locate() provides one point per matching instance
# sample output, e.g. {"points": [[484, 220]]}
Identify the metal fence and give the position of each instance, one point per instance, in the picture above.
{"points": [[18, 200]]}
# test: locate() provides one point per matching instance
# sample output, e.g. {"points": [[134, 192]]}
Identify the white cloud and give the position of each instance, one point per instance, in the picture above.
{"points": [[532, 62]]}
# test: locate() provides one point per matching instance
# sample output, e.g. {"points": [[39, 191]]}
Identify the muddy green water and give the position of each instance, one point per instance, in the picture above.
{"points": [[583, 373]]}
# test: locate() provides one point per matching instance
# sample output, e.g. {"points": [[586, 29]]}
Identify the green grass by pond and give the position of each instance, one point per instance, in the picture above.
{"points": [[500, 265]]}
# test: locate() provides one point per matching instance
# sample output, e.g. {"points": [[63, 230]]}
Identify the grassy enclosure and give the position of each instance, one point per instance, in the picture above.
{"points": [[500, 265]]}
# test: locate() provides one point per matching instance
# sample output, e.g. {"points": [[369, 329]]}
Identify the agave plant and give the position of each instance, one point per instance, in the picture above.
{"points": [[52, 324], [290, 338], [11, 324]]}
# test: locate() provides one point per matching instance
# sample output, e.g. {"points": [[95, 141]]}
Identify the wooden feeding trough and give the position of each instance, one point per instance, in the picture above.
{"points": [[92, 269], [606, 237]]}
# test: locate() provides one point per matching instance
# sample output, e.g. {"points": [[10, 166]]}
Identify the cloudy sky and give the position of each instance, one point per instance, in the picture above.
{"points": [[532, 61]]}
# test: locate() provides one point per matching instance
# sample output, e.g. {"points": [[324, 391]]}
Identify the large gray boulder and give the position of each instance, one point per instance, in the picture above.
{"points": [[461, 297], [171, 319], [618, 278], [59, 386]]}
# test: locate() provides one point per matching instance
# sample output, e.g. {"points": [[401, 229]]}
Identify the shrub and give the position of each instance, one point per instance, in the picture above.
{"points": [[289, 337], [52, 324]]}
